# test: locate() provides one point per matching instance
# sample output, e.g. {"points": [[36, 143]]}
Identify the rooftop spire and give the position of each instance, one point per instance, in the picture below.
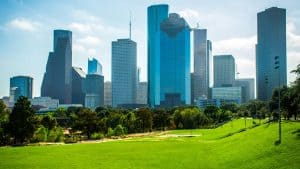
{"points": [[129, 24]]}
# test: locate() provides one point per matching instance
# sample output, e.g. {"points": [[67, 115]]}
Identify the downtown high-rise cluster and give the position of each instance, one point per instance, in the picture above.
{"points": [[214, 79]]}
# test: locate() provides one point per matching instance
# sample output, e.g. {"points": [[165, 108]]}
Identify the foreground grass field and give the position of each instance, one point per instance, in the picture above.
{"points": [[229, 146]]}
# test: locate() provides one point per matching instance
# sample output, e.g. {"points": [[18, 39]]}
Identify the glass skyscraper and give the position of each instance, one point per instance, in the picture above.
{"points": [[78, 77], [156, 14], [202, 64], [224, 71], [93, 88], [94, 67], [271, 43], [169, 61], [57, 82], [20, 86], [124, 72]]}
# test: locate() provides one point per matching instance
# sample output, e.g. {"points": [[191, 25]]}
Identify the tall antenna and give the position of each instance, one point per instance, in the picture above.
{"points": [[130, 25]]}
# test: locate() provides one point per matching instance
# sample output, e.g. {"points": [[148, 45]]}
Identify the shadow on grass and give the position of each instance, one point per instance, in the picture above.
{"points": [[297, 132]]}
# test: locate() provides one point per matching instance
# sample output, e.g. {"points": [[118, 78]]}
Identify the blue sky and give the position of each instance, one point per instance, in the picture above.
{"points": [[26, 31]]}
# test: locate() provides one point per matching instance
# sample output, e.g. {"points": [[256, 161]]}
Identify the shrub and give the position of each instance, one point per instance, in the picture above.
{"points": [[55, 135], [97, 136], [110, 132], [40, 135], [71, 139], [119, 130]]}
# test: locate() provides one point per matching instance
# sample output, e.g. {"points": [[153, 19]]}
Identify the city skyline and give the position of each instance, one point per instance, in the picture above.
{"points": [[31, 23]]}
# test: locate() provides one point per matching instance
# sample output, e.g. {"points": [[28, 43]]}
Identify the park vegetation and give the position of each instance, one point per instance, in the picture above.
{"points": [[22, 125]]}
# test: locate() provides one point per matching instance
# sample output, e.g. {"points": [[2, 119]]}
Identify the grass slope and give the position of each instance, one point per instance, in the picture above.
{"points": [[228, 146]]}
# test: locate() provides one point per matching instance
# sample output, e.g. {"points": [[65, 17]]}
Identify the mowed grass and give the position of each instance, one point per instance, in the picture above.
{"points": [[228, 147]]}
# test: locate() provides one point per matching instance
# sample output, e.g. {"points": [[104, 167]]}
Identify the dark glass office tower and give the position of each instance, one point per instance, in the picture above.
{"points": [[22, 86], [57, 82], [156, 14], [78, 77], [271, 44]]}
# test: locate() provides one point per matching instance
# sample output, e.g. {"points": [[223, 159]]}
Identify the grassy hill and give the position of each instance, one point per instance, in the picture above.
{"points": [[233, 145]]}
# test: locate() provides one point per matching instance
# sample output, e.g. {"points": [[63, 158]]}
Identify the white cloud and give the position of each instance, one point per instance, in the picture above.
{"points": [[24, 24], [90, 41], [292, 38], [192, 16]]}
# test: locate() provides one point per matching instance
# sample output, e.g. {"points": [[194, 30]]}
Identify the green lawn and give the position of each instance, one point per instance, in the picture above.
{"points": [[212, 148]]}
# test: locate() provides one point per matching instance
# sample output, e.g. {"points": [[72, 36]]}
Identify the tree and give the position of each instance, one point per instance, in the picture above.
{"points": [[129, 121], [211, 112], [144, 119], [86, 121], [22, 121], [160, 118], [4, 116], [232, 107], [48, 122]]}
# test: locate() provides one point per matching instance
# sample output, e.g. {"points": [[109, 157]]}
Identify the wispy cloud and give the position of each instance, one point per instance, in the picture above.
{"points": [[23, 24]]}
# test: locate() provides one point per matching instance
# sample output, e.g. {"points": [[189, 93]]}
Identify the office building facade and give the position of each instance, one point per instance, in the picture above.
{"points": [[93, 88], [78, 77], [57, 81], [94, 67], [155, 15], [124, 72], [248, 85], [271, 44], [227, 93], [20, 86], [202, 64], [107, 94], [224, 71]]}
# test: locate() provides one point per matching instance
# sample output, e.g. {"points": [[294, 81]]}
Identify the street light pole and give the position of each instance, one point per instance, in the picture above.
{"points": [[279, 112]]}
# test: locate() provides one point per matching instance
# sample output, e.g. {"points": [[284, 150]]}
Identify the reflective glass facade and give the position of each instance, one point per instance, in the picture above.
{"points": [[271, 42], [93, 88], [155, 15], [94, 67], [227, 93], [78, 76], [124, 72], [21, 86], [175, 78], [224, 71], [202, 64], [57, 82]]}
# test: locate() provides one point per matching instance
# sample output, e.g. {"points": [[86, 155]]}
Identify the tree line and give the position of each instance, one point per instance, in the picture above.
{"points": [[22, 125]]}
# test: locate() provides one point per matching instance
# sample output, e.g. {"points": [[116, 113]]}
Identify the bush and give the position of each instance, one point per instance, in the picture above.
{"points": [[40, 135], [55, 135], [97, 136], [119, 130], [71, 139], [110, 132]]}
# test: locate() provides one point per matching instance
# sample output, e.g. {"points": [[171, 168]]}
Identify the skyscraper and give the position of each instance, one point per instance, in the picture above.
{"points": [[271, 43], [156, 14], [94, 67], [94, 91], [124, 72], [202, 60], [78, 77], [107, 94], [174, 63], [93, 85], [57, 82], [20, 86], [224, 71]]}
